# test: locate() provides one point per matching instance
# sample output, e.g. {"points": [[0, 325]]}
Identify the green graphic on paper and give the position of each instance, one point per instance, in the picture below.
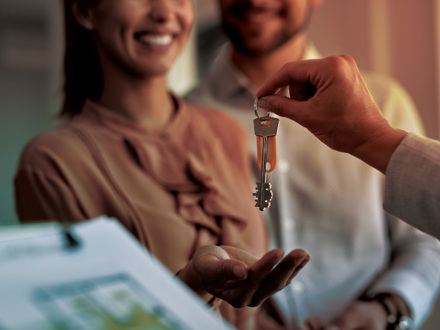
{"points": [[112, 303]]}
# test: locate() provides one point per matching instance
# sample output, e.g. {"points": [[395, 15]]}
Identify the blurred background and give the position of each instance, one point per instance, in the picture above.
{"points": [[399, 38]]}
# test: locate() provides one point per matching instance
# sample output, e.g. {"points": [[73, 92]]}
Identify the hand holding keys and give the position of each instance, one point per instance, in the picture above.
{"points": [[265, 129]]}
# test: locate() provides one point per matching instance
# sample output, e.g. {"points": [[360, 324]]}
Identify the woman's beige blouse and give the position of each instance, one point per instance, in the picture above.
{"points": [[183, 187]]}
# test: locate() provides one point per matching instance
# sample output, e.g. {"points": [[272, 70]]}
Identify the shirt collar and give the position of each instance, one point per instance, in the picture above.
{"points": [[229, 81], [310, 52], [97, 113]]}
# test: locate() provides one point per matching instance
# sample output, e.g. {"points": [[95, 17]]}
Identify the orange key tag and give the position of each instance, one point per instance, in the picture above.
{"points": [[271, 155]]}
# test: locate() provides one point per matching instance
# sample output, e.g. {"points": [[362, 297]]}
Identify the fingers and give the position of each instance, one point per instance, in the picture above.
{"points": [[312, 324], [283, 106], [289, 267], [311, 73], [261, 268], [293, 72], [300, 265], [243, 279], [281, 275]]}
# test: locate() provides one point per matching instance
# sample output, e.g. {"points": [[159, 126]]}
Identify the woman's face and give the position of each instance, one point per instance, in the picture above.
{"points": [[143, 37]]}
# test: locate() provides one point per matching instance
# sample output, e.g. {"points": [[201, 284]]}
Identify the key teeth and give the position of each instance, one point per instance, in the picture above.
{"points": [[267, 196]]}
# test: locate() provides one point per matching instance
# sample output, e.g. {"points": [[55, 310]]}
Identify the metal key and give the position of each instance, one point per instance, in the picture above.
{"points": [[264, 127]]}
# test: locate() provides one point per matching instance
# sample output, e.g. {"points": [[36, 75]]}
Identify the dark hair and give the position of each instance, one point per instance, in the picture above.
{"points": [[82, 69]]}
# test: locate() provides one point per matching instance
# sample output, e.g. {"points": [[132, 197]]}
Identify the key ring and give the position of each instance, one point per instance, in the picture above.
{"points": [[256, 109]]}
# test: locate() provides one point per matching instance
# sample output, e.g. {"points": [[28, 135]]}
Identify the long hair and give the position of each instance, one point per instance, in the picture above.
{"points": [[82, 68]]}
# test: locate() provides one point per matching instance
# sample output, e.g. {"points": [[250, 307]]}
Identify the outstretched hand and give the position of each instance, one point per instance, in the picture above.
{"points": [[361, 315], [238, 277]]}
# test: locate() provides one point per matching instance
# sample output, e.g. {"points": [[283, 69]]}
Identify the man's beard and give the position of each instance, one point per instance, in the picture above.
{"points": [[239, 41]]}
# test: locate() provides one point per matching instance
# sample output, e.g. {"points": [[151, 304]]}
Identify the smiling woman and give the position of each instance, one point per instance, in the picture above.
{"points": [[176, 175], [114, 39]]}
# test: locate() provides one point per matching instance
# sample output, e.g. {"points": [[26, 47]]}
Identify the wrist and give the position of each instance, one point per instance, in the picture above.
{"points": [[377, 150], [398, 314]]}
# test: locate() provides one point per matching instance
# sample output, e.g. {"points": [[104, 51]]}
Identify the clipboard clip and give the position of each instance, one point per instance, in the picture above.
{"points": [[70, 240]]}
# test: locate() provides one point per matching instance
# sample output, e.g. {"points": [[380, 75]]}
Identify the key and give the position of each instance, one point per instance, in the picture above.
{"points": [[265, 128]]}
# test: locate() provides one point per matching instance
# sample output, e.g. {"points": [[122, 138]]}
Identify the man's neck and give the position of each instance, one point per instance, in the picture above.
{"points": [[259, 68]]}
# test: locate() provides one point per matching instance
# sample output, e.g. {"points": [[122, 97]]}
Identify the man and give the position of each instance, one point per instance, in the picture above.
{"points": [[366, 266], [411, 162]]}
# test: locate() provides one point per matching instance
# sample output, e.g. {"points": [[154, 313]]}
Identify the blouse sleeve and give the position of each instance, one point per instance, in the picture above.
{"points": [[39, 197]]}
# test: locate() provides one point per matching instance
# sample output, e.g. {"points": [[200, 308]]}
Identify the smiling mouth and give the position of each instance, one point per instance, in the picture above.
{"points": [[154, 39], [259, 16]]}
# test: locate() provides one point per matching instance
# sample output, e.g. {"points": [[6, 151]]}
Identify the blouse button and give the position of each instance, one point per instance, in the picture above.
{"points": [[283, 165], [297, 286], [289, 224]]}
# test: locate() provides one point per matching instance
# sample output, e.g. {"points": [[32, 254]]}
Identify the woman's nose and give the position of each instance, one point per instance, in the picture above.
{"points": [[161, 10]]}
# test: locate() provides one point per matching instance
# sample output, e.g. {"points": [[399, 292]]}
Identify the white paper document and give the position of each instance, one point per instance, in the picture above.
{"points": [[108, 281]]}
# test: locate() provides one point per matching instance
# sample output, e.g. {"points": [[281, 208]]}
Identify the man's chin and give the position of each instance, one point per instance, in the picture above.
{"points": [[251, 51], [254, 43], [256, 48]]}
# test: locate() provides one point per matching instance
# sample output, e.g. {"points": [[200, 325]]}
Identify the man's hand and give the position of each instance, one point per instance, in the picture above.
{"points": [[329, 97], [238, 277], [361, 315]]}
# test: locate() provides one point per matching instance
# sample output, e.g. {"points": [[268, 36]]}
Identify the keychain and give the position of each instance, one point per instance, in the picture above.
{"points": [[265, 129]]}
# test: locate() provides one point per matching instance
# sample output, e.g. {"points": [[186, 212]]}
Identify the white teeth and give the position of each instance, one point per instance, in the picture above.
{"points": [[162, 40]]}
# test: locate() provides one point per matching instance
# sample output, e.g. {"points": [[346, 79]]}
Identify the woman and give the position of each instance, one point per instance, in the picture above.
{"points": [[175, 175]]}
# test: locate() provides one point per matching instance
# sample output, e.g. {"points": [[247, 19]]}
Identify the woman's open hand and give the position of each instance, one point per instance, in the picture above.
{"points": [[239, 277]]}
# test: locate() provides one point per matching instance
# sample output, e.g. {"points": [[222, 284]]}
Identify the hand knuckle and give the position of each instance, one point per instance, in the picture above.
{"points": [[339, 65], [287, 66], [237, 303], [277, 287]]}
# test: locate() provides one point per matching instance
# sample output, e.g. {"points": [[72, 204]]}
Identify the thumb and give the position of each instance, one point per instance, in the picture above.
{"points": [[211, 268], [284, 106]]}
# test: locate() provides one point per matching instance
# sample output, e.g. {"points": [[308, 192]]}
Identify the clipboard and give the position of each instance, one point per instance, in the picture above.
{"points": [[91, 275]]}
